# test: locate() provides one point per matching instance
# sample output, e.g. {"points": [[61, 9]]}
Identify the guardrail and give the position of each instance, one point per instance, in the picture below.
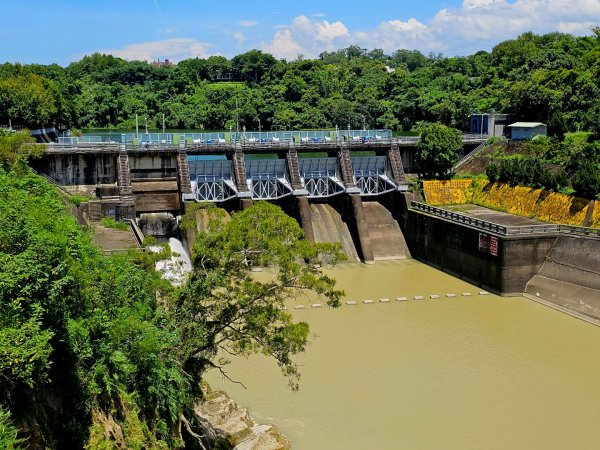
{"points": [[514, 230], [72, 145], [580, 231]]}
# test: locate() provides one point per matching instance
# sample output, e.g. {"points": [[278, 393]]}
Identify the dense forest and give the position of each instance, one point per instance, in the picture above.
{"points": [[100, 352], [553, 78]]}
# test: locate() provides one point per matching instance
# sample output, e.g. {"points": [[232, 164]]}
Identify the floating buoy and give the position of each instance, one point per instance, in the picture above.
{"points": [[316, 305], [419, 297], [350, 302], [299, 307], [384, 300], [434, 296], [483, 293], [450, 295], [401, 299], [367, 302], [466, 294]]}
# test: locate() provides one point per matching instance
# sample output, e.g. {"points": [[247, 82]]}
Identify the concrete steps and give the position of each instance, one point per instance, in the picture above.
{"points": [[95, 210]]}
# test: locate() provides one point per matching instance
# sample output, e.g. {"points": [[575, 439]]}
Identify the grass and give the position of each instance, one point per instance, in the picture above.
{"points": [[110, 222], [78, 199]]}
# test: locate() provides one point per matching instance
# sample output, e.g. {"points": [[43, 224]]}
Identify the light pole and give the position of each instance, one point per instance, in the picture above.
{"points": [[259, 127]]}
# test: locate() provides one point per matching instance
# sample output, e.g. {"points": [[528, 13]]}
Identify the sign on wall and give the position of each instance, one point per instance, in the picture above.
{"points": [[488, 244]]}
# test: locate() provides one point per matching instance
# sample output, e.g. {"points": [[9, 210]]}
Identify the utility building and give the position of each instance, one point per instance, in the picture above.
{"points": [[488, 124], [527, 130]]}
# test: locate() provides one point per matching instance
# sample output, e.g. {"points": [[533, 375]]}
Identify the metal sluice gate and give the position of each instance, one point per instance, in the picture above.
{"points": [[371, 174], [268, 179]]}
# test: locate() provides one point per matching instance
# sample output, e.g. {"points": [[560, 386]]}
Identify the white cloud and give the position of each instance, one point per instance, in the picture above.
{"points": [[247, 23], [174, 49], [283, 45], [475, 25], [239, 37]]}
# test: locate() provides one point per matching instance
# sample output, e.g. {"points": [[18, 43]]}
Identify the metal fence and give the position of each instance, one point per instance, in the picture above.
{"points": [[520, 230]]}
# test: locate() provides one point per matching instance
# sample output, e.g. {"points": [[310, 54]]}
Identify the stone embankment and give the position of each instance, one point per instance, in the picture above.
{"points": [[233, 423]]}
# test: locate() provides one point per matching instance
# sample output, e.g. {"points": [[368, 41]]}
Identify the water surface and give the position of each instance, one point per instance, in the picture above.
{"points": [[480, 372]]}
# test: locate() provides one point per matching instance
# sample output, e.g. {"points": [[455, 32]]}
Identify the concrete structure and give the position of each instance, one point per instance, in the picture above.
{"points": [[489, 124], [527, 130], [569, 279], [499, 253]]}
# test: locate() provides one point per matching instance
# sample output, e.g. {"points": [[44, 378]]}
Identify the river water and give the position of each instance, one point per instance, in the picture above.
{"points": [[478, 372]]}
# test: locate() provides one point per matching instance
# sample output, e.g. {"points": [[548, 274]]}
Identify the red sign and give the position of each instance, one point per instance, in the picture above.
{"points": [[488, 244]]}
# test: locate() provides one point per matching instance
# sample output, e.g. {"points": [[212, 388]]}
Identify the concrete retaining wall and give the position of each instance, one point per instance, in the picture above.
{"points": [[455, 248], [569, 279]]}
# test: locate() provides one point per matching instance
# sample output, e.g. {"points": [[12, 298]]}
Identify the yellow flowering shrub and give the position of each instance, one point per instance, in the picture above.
{"points": [[523, 201], [446, 192]]}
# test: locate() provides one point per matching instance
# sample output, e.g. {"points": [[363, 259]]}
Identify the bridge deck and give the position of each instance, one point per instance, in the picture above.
{"points": [[220, 147]]}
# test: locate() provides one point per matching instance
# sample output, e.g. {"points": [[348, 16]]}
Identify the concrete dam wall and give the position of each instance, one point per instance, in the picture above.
{"points": [[387, 240], [383, 233], [329, 227], [569, 279]]}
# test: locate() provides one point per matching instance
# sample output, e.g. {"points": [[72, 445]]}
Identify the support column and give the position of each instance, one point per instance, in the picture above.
{"points": [[363, 231], [306, 218], [246, 203], [239, 168], [183, 170]]}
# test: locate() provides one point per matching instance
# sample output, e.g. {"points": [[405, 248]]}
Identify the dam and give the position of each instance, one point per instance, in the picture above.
{"points": [[419, 355], [346, 186]]}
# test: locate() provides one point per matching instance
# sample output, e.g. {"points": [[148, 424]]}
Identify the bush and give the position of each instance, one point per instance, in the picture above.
{"points": [[492, 170], [78, 199], [586, 180], [110, 222]]}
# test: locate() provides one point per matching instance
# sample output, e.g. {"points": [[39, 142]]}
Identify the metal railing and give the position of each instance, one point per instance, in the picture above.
{"points": [[580, 231], [513, 230], [516, 230]]}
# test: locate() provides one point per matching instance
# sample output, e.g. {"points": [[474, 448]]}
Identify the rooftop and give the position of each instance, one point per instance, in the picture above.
{"points": [[527, 124]]}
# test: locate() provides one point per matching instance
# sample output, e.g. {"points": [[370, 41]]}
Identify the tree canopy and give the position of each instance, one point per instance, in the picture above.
{"points": [[100, 352], [437, 150], [551, 78]]}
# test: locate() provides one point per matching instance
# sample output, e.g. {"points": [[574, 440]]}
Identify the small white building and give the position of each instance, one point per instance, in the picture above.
{"points": [[527, 130]]}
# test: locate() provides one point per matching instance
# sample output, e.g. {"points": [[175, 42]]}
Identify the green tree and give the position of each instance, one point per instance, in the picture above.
{"points": [[16, 149], [242, 314], [437, 150], [8, 433]]}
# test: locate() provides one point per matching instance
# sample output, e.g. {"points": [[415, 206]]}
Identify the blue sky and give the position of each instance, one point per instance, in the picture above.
{"points": [[63, 31]]}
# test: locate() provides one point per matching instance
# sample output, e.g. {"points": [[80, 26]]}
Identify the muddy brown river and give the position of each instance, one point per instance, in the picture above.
{"points": [[470, 372]]}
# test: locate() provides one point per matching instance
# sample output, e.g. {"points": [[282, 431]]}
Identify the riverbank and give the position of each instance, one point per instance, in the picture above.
{"points": [[234, 424]]}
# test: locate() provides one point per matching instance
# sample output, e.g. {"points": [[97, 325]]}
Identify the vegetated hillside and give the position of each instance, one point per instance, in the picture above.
{"points": [[571, 166], [553, 78]]}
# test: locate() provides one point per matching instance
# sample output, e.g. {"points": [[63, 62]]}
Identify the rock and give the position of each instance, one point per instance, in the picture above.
{"points": [[234, 422], [264, 437]]}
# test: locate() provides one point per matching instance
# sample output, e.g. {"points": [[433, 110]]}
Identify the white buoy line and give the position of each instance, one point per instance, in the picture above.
{"points": [[387, 300]]}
